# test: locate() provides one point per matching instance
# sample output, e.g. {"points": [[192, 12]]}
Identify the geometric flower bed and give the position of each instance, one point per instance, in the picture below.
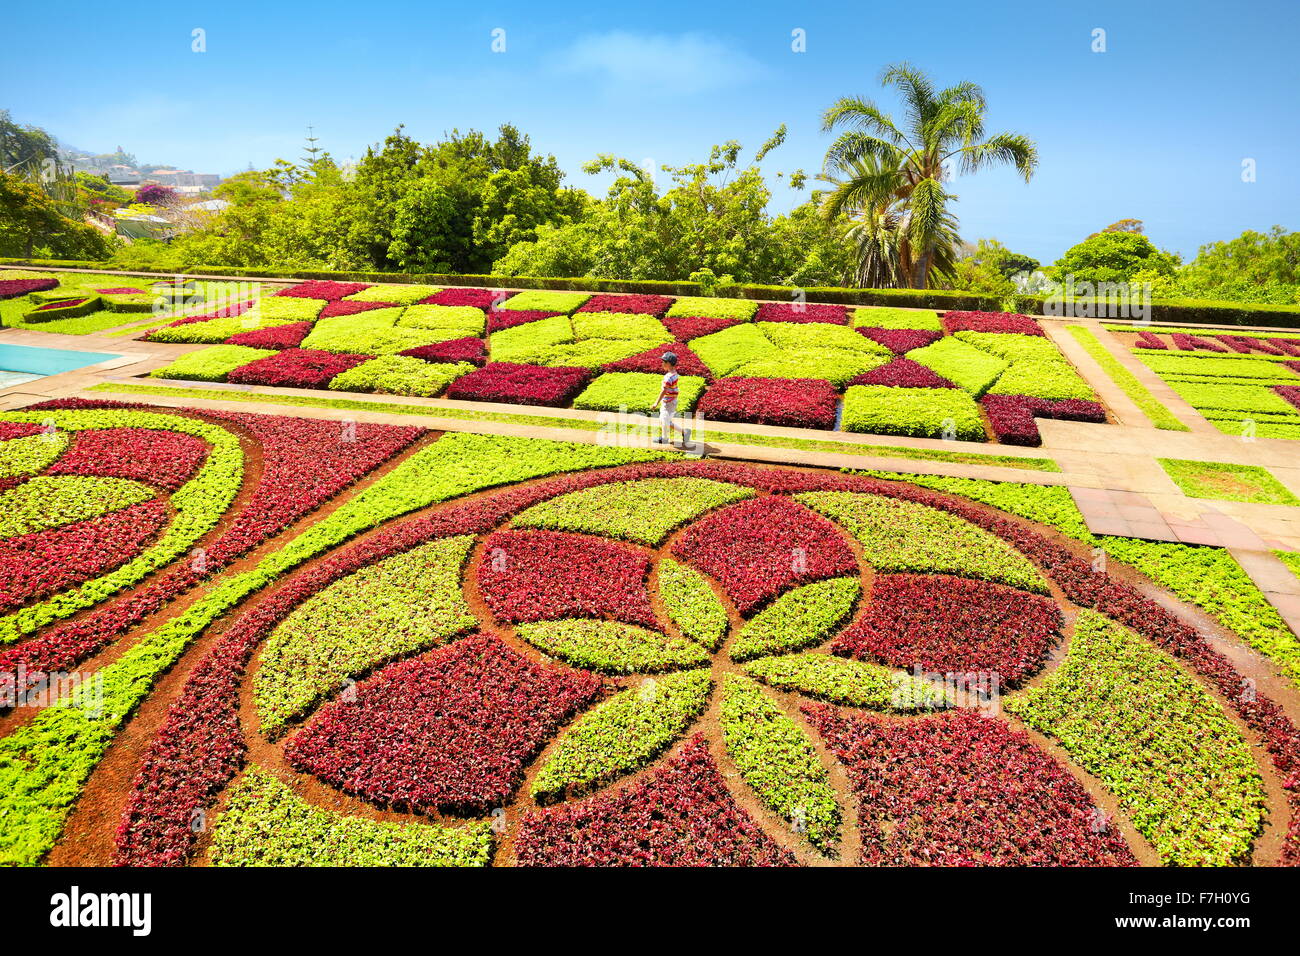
{"points": [[892, 371], [562, 654]]}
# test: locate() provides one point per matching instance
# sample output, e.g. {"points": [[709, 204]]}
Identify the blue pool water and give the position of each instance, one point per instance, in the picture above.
{"points": [[32, 363]]}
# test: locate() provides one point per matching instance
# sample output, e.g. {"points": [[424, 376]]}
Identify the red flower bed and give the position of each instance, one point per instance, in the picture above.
{"points": [[530, 576], [34, 566], [1293, 366], [964, 790], [239, 308], [1286, 346], [946, 624], [122, 290], [478, 298], [682, 815], [655, 305], [296, 368], [16, 288], [343, 307], [450, 730], [61, 304], [685, 329], [902, 340], [1192, 343], [17, 430], [520, 384], [990, 322], [1245, 344], [155, 457], [496, 321], [802, 312], [305, 463], [902, 373], [1290, 392], [652, 360], [468, 349], [790, 402], [1147, 340], [1012, 416], [324, 289], [275, 337], [760, 548]]}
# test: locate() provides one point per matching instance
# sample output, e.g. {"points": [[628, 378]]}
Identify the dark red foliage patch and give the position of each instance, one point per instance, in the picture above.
{"points": [[324, 289], [682, 815], [34, 566], [1194, 343], [802, 312], [1286, 346], [1246, 344], [1147, 340], [17, 430], [685, 329], [530, 576], [651, 360], [496, 321], [517, 384], [236, 308], [468, 349], [789, 402], [902, 373], [276, 337], [760, 548], [1290, 392], [484, 299], [16, 288], [953, 625], [297, 368], [990, 322], [450, 730], [902, 340], [120, 290], [156, 457], [1012, 416], [61, 304], [655, 305], [964, 790], [349, 307]]}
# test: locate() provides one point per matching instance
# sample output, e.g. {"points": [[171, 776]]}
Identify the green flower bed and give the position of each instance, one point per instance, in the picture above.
{"points": [[609, 325], [1220, 366], [837, 366], [370, 333], [898, 535], [819, 335], [464, 320], [921, 412], [1227, 482], [402, 604], [400, 375], [591, 354], [612, 647], [51, 501], [841, 681], [804, 617], [518, 343], [622, 735], [1131, 716], [964, 365], [30, 454], [545, 300], [289, 307], [266, 824], [644, 511], [705, 307], [1054, 381], [1261, 429], [871, 317], [731, 348], [692, 604], [636, 392], [778, 760], [1013, 347], [1128, 383], [211, 364], [1236, 398], [395, 293]]}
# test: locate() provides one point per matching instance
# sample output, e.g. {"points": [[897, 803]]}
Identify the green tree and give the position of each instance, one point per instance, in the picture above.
{"points": [[940, 130], [31, 224], [1114, 257]]}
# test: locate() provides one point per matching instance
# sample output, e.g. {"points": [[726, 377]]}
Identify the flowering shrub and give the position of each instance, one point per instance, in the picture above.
{"points": [[274, 337], [622, 735], [651, 361], [1012, 416], [399, 375], [776, 758], [1187, 778], [636, 392], [685, 329], [469, 349], [800, 618], [761, 548], [520, 384], [544, 300], [949, 625], [682, 815], [874, 317], [299, 368], [16, 288], [963, 790], [801, 313], [449, 730], [901, 340], [542, 575], [968, 367], [484, 299], [692, 605], [923, 412], [990, 322], [655, 305], [211, 364], [161, 458], [324, 289], [704, 307], [789, 402], [902, 373]]}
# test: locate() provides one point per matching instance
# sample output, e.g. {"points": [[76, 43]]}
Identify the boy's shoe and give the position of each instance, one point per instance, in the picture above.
{"points": [[661, 441], [686, 437]]}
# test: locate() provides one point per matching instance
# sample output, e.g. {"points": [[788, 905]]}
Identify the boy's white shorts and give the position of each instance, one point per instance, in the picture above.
{"points": [[667, 412]]}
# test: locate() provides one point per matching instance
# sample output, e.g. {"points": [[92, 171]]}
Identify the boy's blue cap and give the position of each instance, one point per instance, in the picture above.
{"points": [[670, 358]]}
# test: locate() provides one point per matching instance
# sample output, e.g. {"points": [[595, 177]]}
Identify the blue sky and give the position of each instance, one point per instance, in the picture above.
{"points": [[1155, 128]]}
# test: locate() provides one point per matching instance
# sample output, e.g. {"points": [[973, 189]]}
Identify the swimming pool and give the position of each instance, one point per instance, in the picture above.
{"points": [[24, 363]]}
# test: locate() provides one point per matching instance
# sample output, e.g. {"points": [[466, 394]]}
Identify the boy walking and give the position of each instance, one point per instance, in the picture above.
{"points": [[667, 403]]}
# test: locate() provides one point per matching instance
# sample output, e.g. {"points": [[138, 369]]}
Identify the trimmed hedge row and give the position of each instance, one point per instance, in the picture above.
{"points": [[1196, 312]]}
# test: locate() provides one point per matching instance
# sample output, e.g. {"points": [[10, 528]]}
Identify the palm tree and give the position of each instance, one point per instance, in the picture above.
{"points": [[892, 177]]}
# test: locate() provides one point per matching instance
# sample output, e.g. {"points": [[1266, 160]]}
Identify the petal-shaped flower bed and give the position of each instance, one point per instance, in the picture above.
{"points": [[161, 458]]}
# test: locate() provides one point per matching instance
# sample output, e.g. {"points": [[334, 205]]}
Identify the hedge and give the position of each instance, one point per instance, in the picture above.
{"points": [[1196, 312]]}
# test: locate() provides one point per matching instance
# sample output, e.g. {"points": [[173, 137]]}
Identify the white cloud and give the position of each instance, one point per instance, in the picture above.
{"points": [[683, 64]]}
